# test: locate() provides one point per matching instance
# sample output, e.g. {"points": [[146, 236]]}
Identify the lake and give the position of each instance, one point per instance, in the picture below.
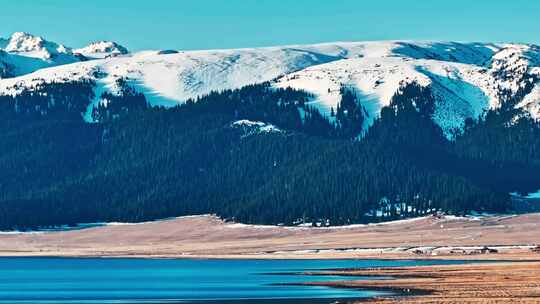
{"points": [[97, 280]]}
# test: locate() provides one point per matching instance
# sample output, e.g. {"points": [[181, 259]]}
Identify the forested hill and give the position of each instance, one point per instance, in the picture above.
{"points": [[256, 155]]}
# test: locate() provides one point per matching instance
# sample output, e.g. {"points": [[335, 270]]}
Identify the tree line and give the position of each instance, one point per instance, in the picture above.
{"points": [[142, 163]]}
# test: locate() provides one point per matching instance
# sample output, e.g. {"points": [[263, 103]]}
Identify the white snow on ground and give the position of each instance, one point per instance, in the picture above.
{"points": [[255, 127], [531, 102], [64, 73], [256, 124], [231, 225], [390, 223], [248, 123], [375, 80], [19, 232], [170, 79], [240, 225], [465, 77], [461, 90]]}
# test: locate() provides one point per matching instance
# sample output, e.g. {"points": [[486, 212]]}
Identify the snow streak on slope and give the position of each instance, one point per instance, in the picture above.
{"points": [[531, 102], [376, 80]]}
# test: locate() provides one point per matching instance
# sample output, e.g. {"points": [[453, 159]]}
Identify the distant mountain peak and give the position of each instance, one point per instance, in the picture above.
{"points": [[102, 49], [25, 53], [22, 42]]}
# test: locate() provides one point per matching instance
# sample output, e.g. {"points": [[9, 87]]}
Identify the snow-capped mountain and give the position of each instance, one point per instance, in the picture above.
{"points": [[21, 42], [102, 49], [465, 84], [466, 79], [25, 53], [28, 45]]}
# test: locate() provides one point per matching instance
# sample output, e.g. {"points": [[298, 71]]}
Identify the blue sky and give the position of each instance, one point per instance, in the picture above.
{"points": [[204, 24]]}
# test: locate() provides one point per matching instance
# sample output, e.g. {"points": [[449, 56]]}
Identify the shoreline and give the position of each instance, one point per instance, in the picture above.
{"points": [[506, 240], [516, 282], [436, 284], [477, 281], [207, 237], [506, 257]]}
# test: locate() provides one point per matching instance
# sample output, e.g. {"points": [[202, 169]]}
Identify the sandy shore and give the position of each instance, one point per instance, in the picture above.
{"points": [[509, 238], [209, 237], [517, 282]]}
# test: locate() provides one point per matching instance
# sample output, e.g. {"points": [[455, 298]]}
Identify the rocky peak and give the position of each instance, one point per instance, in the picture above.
{"points": [[102, 49], [21, 42]]}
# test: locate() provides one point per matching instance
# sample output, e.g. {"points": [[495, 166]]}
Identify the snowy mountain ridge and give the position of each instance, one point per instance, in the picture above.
{"points": [[21, 42], [466, 79], [102, 49], [24, 53]]}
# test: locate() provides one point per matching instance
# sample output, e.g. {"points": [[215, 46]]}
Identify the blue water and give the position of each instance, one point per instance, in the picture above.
{"points": [[67, 280]]}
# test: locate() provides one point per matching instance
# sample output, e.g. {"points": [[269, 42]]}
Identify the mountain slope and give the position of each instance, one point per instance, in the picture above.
{"points": [[462, 90], [467, 78], [366, 138], [245, 155]]}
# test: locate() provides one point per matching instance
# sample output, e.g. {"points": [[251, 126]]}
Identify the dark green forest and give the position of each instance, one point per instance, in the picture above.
{"points": [[139, 163]]}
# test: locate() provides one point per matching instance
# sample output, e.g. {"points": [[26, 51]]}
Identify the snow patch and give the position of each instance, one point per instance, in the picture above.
{"points": [[255, 127], [531, 103]]}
